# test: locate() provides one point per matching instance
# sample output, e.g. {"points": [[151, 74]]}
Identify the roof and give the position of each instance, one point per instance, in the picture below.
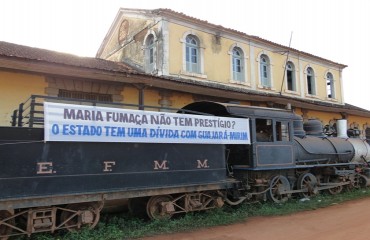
{"points": [[43, 55], [164, 12]]}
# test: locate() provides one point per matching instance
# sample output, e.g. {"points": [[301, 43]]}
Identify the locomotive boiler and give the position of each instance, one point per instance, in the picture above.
{"points": [[65, 183]]}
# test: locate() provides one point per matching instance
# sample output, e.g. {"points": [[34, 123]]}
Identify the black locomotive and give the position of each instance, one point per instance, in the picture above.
{"points": [[288, 156], [47, 186]]}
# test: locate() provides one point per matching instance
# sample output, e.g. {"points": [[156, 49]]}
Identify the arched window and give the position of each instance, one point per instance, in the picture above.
{"points": [[311, 89], [290, 77], [238, 64], [330, 85], [150, 52], [192, 54], [265, 71]]}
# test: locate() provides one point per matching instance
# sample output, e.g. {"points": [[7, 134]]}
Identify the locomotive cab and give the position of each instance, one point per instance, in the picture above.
{"points": [[272, 142], [271, 135]]}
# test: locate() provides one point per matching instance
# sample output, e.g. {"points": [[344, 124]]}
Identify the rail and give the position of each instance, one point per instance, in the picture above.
{"points": [[30, 113]]}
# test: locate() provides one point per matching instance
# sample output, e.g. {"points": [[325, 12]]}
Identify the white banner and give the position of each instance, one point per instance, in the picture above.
{"points": [[79, 123]]}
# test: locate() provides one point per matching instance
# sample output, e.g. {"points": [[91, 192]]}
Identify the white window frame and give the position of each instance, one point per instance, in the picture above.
{"points": [[291, 68], [313, 80], [150, 67], [269, 65], [238, 65], [238, 77], [192, 54], [331, 82], [184, 71]]}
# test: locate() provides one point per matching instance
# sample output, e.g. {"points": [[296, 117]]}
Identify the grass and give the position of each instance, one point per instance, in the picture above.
{"points": [[122, 226]]}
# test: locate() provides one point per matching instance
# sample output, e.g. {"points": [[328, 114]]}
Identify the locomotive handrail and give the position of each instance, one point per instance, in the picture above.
{"points": [[30, 112]]}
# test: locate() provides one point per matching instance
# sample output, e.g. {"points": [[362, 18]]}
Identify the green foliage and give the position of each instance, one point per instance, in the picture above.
{"points": [[122, 226]]}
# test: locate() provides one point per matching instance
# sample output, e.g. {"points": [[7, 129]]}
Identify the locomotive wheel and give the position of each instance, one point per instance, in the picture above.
{"points": [[278, 185], [80, 215], [358, 181], [6, 230], [333, 179], [156, 209], [307, 182]]}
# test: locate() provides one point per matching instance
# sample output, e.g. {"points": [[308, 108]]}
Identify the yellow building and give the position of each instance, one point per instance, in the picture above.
{"points": [[250, 69], [26, 71]]}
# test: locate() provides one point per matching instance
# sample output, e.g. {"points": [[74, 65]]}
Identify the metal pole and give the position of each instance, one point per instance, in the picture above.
{"points": [[20, 115]]}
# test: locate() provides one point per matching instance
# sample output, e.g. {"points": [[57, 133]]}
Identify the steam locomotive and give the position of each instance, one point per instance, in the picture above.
{"points": [[52, 185]]}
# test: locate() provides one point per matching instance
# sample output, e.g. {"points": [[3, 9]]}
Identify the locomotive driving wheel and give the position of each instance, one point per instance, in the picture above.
{"points": [[159, 207], [358, 181], [75, 216], [308, 183], [277, 187], [333, 179]]}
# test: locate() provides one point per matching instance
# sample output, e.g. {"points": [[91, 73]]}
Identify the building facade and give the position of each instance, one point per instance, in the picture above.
{"points": [[166, 43]]}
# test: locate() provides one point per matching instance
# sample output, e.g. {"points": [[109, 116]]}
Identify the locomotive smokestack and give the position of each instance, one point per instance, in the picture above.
{"points": [[342, 128]]}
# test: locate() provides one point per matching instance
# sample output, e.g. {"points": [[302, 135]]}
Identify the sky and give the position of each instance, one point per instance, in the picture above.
{"points": [[337, 30]]}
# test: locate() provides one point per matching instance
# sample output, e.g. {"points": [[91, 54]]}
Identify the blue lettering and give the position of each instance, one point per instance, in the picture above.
{"points": [[188, 134], [238, 136], [65, 129], [55, 129], [72, 130]]}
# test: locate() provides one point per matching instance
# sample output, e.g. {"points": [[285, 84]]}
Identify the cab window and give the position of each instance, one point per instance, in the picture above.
{"points": [[264, 130], [282, 131]]}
